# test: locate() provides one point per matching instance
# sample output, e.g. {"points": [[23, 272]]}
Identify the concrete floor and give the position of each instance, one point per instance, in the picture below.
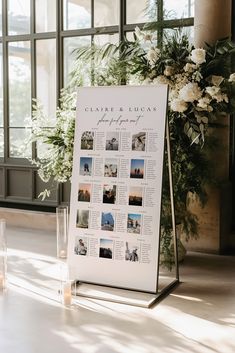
{"points": [[199, 316]]}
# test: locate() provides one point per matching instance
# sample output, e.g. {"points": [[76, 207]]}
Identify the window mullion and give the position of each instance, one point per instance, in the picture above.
{"points": [[160, 10], [122, 18], [5, 81], [59, 49]]}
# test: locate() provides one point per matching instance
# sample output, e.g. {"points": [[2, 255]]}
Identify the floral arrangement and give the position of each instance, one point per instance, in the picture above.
{"points": [[200, 80], [57, 160], [202, 87]]}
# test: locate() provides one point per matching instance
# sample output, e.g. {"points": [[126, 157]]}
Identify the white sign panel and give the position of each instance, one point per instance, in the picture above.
{"points": [[117, 185]]}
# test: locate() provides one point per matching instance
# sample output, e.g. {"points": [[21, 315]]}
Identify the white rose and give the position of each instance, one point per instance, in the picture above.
{"points": [[232, 77], [203, 102], [216, 80], [153, 55], [198, 56], [212, 90], [169, 70], [190, 92], [178, 105]]}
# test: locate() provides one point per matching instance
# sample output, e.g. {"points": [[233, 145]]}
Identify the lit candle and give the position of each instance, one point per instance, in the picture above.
{"points": [[67, 294]]}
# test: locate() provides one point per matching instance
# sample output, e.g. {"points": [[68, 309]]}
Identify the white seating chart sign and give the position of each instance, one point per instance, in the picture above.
{"points": [[117, 186]]}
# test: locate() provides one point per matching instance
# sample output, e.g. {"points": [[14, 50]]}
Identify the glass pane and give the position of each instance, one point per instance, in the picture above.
{"points": [[189, 31], [1, 143], [0, 17], [140, 11], [106, 12], [42, 149], [71, 44], [18, 16], [106, 38], [19, 84], [1, 88], [101, 40], [45, 15], [77, 14], [19, 146], [178, 9], [46, 76]]}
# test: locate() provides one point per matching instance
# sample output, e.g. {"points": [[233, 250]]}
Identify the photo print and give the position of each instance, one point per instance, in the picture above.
{"points": [[106, 248], [132, 252], [109, 193], [84, 192], [110, 168], [85, 166], [112, 141], [107, 221], [133, 223], [80, 247], [137, 168], [87, 140], [82, 219], [138, 141], [135, 196]]}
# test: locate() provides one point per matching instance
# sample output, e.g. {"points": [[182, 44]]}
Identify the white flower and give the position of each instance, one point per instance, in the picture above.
{"points": [[148, 36], [190, 92], [173, 94], [212, 91], [232, 77], [225, 97], [216, 80], [161, 80], [180, 81], [203, 102], [147, 81], [197, 76], [178, 105], [169, 70], [221, 97], [138, 33], [153, 55], [198, 56], [189, 67]]}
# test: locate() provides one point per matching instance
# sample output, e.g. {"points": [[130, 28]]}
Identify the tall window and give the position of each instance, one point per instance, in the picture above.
{"points": [[37, 42]]}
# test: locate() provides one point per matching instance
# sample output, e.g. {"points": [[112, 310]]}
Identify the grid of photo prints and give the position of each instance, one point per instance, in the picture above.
{"points": [[106, 166]]}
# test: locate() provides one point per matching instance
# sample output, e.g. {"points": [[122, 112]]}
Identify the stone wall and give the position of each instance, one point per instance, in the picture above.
{"points": [[212, 22]]}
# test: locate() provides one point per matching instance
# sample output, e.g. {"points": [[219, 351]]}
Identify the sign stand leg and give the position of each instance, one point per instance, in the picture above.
{"points": [[172, 201]]}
